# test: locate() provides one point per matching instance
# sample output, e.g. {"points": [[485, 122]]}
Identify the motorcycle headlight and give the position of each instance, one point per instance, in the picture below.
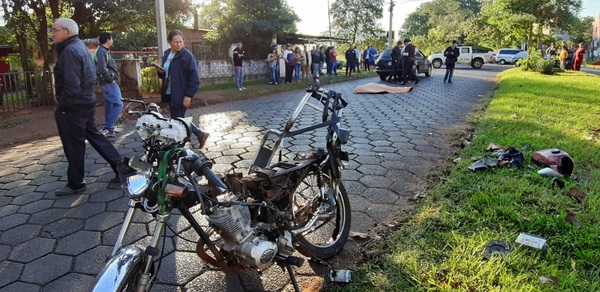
{"points": [[137, 185]]}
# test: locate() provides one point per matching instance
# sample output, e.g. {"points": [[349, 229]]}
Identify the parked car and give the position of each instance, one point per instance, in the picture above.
{"points": [[519, 56], [383, 64], [468, 55], [504, 55]]}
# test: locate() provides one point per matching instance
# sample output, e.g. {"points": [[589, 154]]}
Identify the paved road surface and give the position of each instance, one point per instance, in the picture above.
{"points": [[50, 243]]}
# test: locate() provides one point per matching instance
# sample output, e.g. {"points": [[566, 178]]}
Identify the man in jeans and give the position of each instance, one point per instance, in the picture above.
{"points": [[108, 78], [238, 56]]}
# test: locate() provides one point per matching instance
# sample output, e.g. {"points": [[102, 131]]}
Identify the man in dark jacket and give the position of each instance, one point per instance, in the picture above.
{"points": [[108, 78], [396, 53], [408, 60], [315, 55], [451, 53], [350, 60], [328, 60], [238, 56], [75, 79]]}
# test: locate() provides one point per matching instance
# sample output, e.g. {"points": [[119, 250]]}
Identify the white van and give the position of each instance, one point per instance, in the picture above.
{"points": [[505, 55]]}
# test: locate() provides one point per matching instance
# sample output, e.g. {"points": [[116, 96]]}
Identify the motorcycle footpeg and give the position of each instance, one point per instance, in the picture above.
{"points": [[292, 260]]}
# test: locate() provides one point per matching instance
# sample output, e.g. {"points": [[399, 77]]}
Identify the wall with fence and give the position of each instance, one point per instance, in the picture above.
{"points": [[21, 90]]}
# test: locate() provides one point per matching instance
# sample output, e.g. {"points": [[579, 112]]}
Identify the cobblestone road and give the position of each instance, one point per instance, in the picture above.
{"points": [[50, 243]]}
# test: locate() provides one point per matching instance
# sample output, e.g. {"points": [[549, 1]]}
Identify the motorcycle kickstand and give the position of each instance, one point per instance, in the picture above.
{"points": [[292, 277], [288, 262]]}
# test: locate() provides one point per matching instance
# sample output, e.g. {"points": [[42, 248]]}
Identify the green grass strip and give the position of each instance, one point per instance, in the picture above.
{"points": [[440, 245]]}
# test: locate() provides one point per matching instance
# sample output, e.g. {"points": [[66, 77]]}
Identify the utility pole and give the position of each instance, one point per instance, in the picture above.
{"points": [[329, 17], [161, 27], [390, 32]]}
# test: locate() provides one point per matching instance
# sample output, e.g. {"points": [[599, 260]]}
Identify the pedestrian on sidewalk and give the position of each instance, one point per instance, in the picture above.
{"points": [[350, 60], [75, 80], [290, 62], [272, 60], [306, 63], [299, 60], [357, 54], [451, 53], [316, 62], [108, 78], [238, 56], [332, 62], [181, 80]]}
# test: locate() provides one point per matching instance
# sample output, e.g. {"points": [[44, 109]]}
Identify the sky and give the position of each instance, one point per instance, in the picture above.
{"points": [[314, 20]]}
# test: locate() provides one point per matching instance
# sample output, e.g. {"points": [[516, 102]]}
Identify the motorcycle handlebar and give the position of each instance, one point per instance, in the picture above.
{"points": [[201, 166]]}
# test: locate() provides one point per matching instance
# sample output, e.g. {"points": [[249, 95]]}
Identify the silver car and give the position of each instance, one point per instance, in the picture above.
{"points": [[505, 56]]}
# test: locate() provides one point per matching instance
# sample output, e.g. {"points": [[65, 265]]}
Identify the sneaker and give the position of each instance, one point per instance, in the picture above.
{"points": [[108, 133], [243, 88], [66, 190], [240, 89], [449, 81]]}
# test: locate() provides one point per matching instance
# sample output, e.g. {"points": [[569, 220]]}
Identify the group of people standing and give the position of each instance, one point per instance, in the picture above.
{"points": [[577, 58], [403, 59], [76, 75]]}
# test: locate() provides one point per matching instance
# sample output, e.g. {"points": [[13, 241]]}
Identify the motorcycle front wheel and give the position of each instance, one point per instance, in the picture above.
{"points": [[328, 235]]}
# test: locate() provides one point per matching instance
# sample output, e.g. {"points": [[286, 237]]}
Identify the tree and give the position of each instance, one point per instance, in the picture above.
{"points": [[351, 22], [253, 22], [581, 29], [434, 24], [556, 14], [497, 27]]}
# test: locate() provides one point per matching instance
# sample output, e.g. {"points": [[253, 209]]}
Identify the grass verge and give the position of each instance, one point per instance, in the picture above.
{"points": [[440, 245]]}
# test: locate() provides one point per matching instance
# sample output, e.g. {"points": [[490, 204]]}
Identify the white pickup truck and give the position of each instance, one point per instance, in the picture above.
{"points": [[467, 56]]}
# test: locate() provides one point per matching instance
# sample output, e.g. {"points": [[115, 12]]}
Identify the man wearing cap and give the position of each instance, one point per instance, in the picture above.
{"points": [[408, 60], [451, 53]]}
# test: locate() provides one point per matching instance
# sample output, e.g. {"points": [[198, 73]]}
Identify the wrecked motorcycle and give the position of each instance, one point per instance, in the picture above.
{"points": [[254, 220]]}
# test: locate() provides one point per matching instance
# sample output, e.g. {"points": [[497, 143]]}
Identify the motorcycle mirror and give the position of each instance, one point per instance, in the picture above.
{"points": [[317, 84]]}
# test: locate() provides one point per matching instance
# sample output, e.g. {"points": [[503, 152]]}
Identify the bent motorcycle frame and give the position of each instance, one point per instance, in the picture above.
{"points": [[134, 258]]}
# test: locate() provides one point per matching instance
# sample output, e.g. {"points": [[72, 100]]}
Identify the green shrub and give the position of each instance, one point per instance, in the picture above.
{"points": [[150, 80], [534, 62]]}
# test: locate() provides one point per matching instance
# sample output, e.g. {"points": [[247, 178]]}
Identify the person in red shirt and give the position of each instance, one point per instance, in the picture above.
{"points": [[579, 57], [332, 62]]}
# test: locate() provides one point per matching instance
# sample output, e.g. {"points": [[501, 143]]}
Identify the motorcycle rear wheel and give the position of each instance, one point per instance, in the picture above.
{"points": [[328, 236]]}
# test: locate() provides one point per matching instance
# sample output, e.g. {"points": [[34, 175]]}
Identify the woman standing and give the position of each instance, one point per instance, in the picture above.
{"points": [[579, 54], [272, 60], [181, 80], [299, 60], [564, 53]]}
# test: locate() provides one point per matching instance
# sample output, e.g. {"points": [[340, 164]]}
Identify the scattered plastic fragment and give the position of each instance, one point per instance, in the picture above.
{"points": [[496, 247], [484, 163], [548, 280], [531, 241], [549, 172], [340, 276]]}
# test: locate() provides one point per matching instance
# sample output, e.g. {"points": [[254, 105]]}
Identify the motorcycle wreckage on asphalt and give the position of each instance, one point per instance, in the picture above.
{"points": [[255, 220]]}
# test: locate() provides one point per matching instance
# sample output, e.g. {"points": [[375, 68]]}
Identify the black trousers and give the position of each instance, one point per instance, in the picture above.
{"points": [[289, 72], [74, 127], [407, 69], [394, 74]]}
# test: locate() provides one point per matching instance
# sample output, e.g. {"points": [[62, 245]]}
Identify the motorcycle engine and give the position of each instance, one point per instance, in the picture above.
{"points": [[250, 247]]}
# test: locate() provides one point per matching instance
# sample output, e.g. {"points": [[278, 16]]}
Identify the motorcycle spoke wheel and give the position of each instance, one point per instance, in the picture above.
{"points": [[329, 234]]}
